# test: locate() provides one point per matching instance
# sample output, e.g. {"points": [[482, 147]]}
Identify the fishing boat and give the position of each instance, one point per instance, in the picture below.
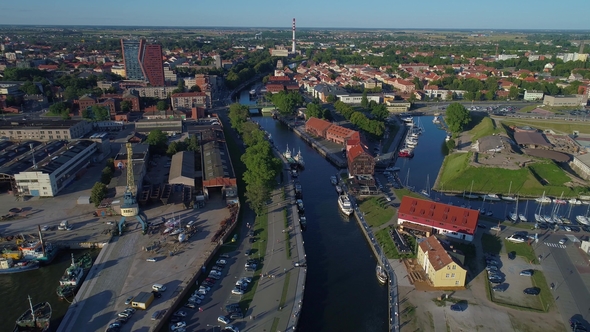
{"points": [[345, 205], [381, 275], [294, 173], [333, 179], [73, 276], [9, 265], [299, 159], [300, 205], [35, 319], [289, 156]]}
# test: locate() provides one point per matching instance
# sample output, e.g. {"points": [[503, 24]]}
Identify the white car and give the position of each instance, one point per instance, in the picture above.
{"points": [[215, 272], [223, 320], [202, 292], [221, 262], [214, 276], [563, 241], [45, 228], [194, 300], [198, 296], [207, 288], [237, 291]]}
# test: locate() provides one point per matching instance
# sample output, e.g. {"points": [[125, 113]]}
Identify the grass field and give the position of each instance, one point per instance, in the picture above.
{"points": [[545, 296], [400, 193], [558, 126], [377, 211], [387, 244], [523, 250], [485, 127], [543, 176]]}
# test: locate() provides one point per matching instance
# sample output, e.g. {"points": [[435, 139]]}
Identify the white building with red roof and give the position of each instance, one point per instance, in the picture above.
{"points": [[432, 218]]}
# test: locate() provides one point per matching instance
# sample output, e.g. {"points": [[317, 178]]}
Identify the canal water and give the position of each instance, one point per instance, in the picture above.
{"points": [[40, 285], [342, 292], [421, 172]]}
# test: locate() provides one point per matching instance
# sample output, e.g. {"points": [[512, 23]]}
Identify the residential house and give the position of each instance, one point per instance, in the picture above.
{"points": [[442, 269]]}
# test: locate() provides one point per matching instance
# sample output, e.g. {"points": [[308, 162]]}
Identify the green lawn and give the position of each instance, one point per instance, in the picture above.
{"points": [[527, 108], [559, 126], [484, 128], [491, 243], [546, 295], [377, 211], [387, 244], [523, 250], [542, 176], [405, 192]]}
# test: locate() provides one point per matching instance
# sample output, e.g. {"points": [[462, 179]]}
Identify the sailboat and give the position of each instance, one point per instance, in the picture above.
{"points": [[426, 191], [471, 196], [509, 197], [514, 215], [522, 216], [584, 219], [543, 199], [482, 210], [538, 216]]}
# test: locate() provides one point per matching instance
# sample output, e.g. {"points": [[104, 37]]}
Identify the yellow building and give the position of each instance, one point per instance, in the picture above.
{"points": [[441, 269]]}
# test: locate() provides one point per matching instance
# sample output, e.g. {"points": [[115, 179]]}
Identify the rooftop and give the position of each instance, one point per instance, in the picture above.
{"points": [[437, 255], [19, 158], [438, 215], [42, 124], [182, 169]]}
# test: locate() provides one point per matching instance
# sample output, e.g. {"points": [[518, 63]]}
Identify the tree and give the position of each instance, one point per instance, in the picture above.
{"points": [[100, 113], [513, 93], [162, 105], [98, 193], [158, 141], [364, 100], [331, 99], [126, 106], [457, 116], [490, 95], [195, 88], [238, 115], [380, 112], [106, 175]]}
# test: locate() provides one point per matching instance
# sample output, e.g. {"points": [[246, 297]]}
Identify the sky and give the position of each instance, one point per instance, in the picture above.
{"points": [[392, 14]]}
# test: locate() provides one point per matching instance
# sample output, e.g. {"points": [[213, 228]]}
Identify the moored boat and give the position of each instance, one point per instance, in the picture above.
{"points": [[338, 189], [299, 159], [575, 201], [491, 197], [559, 201], [583, 220], [345, 205], [300, 205], [8, 266], [35, 319], [406, 153], [381, 275], [543, 200], [73, 276], [303, 222]]}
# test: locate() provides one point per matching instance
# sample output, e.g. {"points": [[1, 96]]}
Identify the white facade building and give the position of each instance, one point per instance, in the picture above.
{"points": [[533, 95]]}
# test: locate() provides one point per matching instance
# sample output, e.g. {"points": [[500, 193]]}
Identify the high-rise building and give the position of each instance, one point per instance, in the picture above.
{"points": [[143, 61]]}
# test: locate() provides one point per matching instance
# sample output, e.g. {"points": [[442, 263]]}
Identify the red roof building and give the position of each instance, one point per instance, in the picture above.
{"points": [[437, 218], [317, 127], [361, 165]]}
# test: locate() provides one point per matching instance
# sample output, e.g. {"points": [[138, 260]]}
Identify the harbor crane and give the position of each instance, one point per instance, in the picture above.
{"points": [[130, 208]]}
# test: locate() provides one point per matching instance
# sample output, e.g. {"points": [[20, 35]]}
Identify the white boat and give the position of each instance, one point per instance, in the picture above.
{"points": [[575, 201], [426, 191], [522, 217], [287, 154], [491, 197], [448, 138], [345, 205], [539, 218], [583, 220], [181, 237], [543, 200], [381, 275], [513, 216], [435, 119], [339, 189], [509, 197], [299, 158], [408, 119]]}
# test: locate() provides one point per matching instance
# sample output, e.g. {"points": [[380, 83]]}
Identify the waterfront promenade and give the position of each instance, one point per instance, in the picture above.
{"points": [[279, 296]]}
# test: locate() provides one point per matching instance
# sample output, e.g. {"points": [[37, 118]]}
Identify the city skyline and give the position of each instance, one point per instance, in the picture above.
{"points": [[430, 14]]}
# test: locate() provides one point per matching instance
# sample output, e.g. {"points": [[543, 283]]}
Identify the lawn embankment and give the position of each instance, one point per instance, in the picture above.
{"points": [[386, 243], [485, 127], [377, 211], [523, 250], [542, 176]]}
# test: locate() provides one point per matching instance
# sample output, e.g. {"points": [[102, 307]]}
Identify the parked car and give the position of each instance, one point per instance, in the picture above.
{"points": [[492, 268], [180, 313], [223, 320], [221, 262], [190, 305], [458, 307], [496, 280], [237, 291], [236, 315], [563, 241], [205, 288], [512, 255], [123, 314], [232, 307], [532, 291], [157, 294], [526, 273], [499, 288], [128, 301]]}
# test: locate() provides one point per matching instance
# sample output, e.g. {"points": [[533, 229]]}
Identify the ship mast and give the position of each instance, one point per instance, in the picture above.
{"points": [[31, 305], [41, 239]]}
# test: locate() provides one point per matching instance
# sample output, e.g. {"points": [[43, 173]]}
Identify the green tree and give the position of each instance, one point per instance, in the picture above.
{"points": [[162, 105], [30, 88], [380, 112], [331, 99], [100, 113], [158, 141], [126, 106], [106, 175], [111, 164], [313, 110], [513, 93], [364, 100], [457, 116], [192, 143], [238, 115], [195, 88], [490, 95], [98, 193]]}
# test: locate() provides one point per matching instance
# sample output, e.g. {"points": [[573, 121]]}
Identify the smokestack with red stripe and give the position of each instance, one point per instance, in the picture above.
{"points": [[293, 47]]}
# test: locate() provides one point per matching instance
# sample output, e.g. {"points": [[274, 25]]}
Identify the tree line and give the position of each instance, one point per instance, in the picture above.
{"points": [[359, 119], [262, 166]]}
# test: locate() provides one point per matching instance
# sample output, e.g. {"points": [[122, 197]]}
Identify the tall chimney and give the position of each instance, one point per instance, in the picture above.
{"points": [[293, 46]]}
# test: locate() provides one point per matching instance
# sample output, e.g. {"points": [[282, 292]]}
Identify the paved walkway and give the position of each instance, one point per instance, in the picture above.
{"points": [[281, 277]]}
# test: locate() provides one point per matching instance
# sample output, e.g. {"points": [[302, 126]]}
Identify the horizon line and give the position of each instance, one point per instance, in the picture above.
{"points": [[289, 27]]}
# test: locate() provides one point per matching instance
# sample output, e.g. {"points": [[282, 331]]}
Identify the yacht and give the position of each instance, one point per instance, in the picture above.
{"points": [[381, 275], [491, 197], [345, 205]]}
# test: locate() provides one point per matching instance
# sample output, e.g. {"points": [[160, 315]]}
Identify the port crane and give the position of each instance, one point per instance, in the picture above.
{"points": [[130, 208]]}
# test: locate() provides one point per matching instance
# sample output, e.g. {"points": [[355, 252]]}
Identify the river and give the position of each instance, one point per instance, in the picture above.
{"points": [[40, 285], [342, 292]]}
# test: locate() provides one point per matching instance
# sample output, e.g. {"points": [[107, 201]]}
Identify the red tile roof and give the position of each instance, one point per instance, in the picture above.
{"points": [[438, 215], [355, 151], [437, 255], [318, 124]]}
